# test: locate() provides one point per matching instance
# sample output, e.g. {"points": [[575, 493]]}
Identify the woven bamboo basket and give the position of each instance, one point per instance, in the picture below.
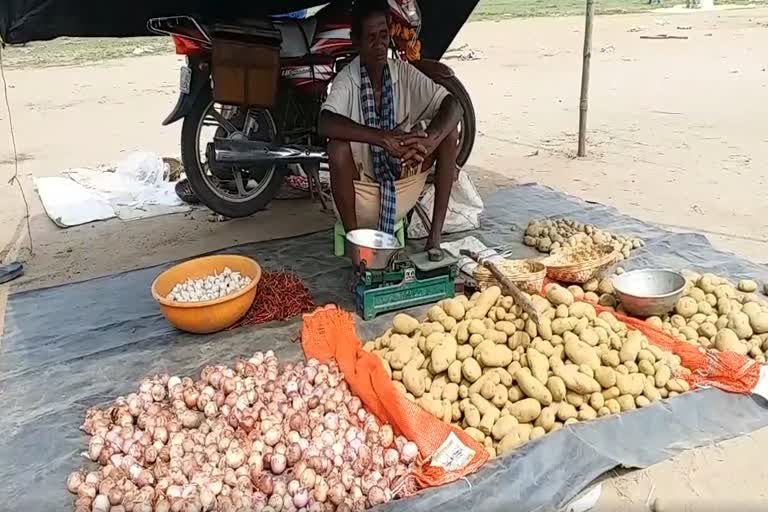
{"points": [[581, 265], [528, 275]]}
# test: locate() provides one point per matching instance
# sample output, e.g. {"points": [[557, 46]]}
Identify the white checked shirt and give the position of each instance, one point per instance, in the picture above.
{"points": [[417, 98]]}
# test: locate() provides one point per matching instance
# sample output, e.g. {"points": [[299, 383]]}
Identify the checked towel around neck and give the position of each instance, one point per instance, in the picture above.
{"points": [[386, 167]]}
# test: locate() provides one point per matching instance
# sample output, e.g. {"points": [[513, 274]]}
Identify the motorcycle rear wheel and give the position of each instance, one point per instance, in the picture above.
{"points": [[208, 186]]}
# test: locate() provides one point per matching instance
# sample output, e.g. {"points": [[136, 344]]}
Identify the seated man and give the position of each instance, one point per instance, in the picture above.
{"points": [[379, 157]]}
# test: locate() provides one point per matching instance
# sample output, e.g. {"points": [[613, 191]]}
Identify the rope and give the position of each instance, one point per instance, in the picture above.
{"points": [[15, 178]]}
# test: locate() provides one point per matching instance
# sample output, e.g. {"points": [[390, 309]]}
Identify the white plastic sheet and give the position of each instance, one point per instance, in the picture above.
{"points": [[68, 203], [133, 188], [586, 501], [464, 209]]}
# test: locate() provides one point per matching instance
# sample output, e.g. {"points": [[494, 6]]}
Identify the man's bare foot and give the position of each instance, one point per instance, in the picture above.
{"points": [[435, 254]]}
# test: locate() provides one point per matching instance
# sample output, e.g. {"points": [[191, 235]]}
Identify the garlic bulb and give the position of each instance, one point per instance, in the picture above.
{"points": [[211, 287], [264, 444]]}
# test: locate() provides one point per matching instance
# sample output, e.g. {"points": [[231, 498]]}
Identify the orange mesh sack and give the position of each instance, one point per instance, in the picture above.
{"points": [[447, 453], [728, 371]]}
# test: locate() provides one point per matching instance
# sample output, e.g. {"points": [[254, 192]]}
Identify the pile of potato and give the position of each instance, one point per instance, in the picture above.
{"points": [[598, 291], [483, 365], [716, 314], [713, 313], [554, 235]]}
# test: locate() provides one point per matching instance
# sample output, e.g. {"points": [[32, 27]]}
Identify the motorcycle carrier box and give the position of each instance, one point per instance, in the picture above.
{"points": [[246, 64]]}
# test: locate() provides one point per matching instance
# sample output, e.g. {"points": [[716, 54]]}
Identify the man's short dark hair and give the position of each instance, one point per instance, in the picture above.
{"points": [[363, 9]]}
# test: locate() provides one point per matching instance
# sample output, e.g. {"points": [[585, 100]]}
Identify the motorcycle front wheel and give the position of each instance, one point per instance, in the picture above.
{"points": [[232, 191]]}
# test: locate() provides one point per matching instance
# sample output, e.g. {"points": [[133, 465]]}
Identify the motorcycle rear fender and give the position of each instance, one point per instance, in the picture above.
{"points": [[199, 83], [434, 69]]}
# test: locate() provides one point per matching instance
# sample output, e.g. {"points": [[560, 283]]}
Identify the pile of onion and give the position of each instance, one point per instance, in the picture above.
{"points": [[259, 436]]}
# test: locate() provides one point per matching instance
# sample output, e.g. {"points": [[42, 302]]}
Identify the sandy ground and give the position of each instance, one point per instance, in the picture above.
{"points": [[677, 137], [716, 478], [675, 133], [95, 115]]}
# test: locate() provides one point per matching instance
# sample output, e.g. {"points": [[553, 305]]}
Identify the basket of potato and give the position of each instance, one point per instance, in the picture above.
{"points": [[528, 275], [579, 265], [483, 365]]}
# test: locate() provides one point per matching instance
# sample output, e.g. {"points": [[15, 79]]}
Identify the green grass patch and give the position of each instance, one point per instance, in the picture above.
{"points": [[67, 51], [490, 9]]}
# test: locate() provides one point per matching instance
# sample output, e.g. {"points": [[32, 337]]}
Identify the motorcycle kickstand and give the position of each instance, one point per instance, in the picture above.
{"points": [[312, 170]]}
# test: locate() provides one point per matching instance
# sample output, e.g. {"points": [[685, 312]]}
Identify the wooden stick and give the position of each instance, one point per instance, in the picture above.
{"points": [[582, 151], [506, 285]]}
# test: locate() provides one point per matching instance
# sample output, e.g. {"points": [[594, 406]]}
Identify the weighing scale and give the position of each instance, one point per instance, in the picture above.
{"points": [[408, 280]]}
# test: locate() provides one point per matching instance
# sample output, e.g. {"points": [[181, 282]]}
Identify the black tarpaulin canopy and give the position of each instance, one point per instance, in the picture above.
{"points": [[23, 21]]}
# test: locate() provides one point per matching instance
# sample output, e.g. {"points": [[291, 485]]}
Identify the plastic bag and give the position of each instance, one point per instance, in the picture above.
{"points": [[464, 209]]}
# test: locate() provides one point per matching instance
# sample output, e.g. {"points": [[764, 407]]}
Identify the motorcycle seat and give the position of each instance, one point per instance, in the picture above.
{"points": [[297, 35]]}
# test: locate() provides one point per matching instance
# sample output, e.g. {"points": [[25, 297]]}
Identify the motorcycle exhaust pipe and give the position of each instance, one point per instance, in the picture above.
{"points": [[250, 152]]}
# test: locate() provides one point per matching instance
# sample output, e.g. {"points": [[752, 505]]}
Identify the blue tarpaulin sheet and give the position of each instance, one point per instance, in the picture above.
{"points": [[75, 346]]}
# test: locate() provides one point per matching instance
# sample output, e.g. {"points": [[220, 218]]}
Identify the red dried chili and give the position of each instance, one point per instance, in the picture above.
{"points": [[279, 296]]}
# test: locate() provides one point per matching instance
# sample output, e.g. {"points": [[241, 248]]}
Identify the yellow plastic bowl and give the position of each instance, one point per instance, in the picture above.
{"points": [[211, 315]]}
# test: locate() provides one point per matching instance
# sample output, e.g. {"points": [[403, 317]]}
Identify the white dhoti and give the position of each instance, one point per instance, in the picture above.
{"points": [[368, 201]]}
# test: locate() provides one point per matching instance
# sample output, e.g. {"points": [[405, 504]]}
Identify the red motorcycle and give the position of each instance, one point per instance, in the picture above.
{"points": [[238, 137]]}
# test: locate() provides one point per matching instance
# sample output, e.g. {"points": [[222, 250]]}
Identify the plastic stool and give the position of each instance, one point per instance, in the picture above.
{"points": [[339, 236]]}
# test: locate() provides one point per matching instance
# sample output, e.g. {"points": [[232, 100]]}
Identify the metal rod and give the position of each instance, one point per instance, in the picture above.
{"points": [[585, 77]]}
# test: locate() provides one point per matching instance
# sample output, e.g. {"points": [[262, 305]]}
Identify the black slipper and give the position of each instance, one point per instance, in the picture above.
{"points": [[185, 193], [10, 272]]}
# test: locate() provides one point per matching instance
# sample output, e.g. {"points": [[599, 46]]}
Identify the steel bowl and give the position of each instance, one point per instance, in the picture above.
{"points": [[649, 292], [371, 248]]}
